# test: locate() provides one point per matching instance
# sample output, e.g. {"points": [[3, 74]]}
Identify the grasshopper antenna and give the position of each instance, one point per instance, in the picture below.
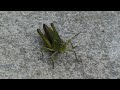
{"points": [[74, 36]]}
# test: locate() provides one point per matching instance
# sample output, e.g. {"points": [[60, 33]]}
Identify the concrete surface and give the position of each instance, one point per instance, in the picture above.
{"points": [[98, 45]]}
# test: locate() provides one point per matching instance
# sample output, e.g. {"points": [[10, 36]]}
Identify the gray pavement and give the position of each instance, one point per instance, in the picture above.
{"points": [[98, 45]]}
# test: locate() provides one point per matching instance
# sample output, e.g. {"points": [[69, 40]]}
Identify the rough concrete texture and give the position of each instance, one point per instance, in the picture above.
{"points": [[98, 45]]}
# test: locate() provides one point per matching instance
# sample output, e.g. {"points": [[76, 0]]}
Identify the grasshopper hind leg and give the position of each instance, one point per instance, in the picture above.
{"points": [[53, 58], [42, 53], [45, 48]]}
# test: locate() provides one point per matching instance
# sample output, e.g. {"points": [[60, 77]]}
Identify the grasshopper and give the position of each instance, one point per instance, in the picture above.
{"points": [[53, 42]]}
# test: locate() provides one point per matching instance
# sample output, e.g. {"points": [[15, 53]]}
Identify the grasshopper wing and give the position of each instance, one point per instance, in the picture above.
{"points": [[56, 35], [45, 39], [49, 33]]}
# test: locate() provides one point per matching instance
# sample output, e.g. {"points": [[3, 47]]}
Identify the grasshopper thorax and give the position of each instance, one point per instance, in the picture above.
{"points": [[62, 47]]}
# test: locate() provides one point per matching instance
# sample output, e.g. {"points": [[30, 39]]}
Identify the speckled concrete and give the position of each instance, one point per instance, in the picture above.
{"points": [[98, 45]]}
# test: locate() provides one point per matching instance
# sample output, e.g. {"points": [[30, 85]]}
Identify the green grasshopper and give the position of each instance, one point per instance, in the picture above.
{"points": [[53, 42]]}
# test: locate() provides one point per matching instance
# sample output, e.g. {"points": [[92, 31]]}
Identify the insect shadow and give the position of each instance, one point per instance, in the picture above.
{"points": [[54, 44]]}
